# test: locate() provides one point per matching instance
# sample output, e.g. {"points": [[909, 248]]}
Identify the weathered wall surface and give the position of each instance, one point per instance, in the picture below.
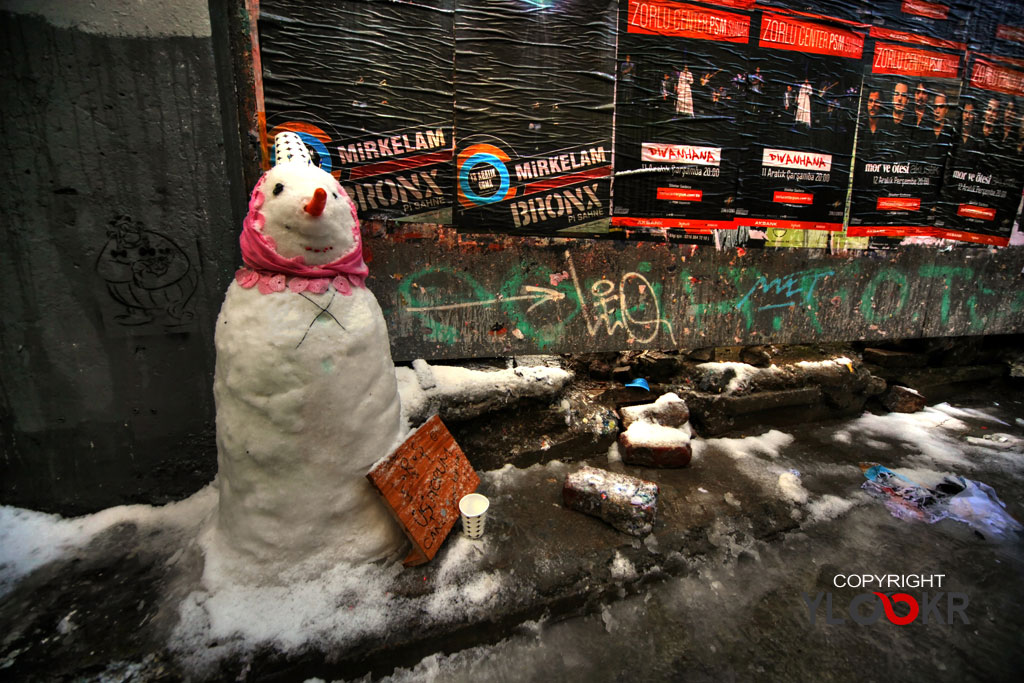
{"points": [[117, 245], [451, 297]]}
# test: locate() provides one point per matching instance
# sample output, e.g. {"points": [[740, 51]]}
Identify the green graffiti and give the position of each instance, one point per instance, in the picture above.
{"points": [[427, 297], [949, 274], [545, 334], [795, 290], [867, 299]]}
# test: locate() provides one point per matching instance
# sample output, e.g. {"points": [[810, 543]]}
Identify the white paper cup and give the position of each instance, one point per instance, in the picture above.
{"points": [[473, 510]]}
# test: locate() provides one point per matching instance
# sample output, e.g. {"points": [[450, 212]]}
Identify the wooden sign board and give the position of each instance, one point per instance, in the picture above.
{"points": [[422, 482]]}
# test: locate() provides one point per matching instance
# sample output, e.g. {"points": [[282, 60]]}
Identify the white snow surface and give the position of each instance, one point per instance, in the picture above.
{"points": [[31, 539], [449, 383], [936, 438], [792, 489], [652, 435]]}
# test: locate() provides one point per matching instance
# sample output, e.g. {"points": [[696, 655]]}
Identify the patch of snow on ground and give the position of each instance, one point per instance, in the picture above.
{"points": [[828, 507], [792, 489], [31, 539], [769, 444], [508, 475], [614, 455], [931, 432], [968, 413], [621, 568], [937, 435]]}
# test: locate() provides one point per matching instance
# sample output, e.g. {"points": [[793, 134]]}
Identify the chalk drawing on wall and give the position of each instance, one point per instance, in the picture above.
{"points": [[149, 278]]}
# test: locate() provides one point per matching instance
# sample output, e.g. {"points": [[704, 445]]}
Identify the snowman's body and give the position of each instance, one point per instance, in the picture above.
{"points": [[306, 401]]}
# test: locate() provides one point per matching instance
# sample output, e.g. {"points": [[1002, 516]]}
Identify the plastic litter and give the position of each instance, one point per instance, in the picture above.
{"points": [[965, 500], [640, 383]]}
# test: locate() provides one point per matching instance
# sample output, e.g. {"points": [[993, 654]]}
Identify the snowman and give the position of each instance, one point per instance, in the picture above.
{"points": [[305, 387]]}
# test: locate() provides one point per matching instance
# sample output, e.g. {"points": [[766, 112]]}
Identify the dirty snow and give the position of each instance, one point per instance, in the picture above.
{"points": [[792, 489], [509, 476], [31, 539], [742, 373], [425, 386], [621, 568], [829, 507], [936, 438], [769, 444]]}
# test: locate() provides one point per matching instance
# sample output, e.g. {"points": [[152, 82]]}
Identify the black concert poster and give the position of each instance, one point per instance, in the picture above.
{"points": [[909, 119], [368, 86], [681, 92], [800, 121], [985, 174], [534, 98]]}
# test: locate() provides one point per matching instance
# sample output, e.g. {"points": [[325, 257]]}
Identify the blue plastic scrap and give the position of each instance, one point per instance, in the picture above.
{"points": [[641, 383]]}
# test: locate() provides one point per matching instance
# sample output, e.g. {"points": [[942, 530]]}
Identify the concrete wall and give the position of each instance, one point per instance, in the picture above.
{"points": [[451, 296], [117, 244]]}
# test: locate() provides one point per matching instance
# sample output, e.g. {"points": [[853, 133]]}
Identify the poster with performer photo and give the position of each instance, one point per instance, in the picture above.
{"points": [[985, 173], [907, 131], [799, 123], [367, 84], [534, 97], [682, 87]]}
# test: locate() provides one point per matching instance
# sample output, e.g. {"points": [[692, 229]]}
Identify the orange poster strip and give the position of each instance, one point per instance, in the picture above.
{"points": [[786, 33], [682, 20], [988, 76], [793, 198], [684, 223], [898, 204], [971, 211], [912, 61], [932, 10], [886, 230], [679, 194], [789, 225]]}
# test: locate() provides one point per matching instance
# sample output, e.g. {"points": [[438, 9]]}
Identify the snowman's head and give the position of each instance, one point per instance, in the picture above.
{"points": [[307, 214]]}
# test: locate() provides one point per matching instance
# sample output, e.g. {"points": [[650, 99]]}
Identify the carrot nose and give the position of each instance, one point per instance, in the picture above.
{"points": [[315, 207]]}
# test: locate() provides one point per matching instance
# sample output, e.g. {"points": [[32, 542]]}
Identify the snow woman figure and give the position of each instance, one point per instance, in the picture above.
{"points": [[305, 387]]}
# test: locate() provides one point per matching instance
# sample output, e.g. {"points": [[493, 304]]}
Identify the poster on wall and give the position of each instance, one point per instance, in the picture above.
{"points": [[985, 174], [368, 86], [939, 19], [683, 83], [799, 123], [909, 121], [534, 92], [997, 30]]}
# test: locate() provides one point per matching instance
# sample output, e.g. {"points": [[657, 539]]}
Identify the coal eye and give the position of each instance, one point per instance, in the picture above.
{"points": [[334, 194], [278, 189]]}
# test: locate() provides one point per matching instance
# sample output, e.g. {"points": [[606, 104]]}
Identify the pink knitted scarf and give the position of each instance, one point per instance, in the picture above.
{"points": [[270, 272]]}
